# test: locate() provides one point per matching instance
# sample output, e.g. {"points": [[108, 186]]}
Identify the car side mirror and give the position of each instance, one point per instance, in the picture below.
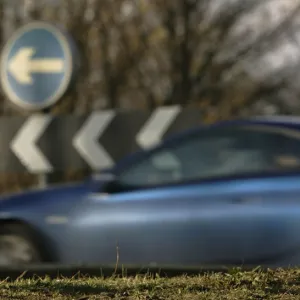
{"points": [[107, 182], [105, 176]]}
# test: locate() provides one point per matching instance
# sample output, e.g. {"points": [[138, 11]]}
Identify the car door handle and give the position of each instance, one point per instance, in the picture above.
{"points": [[98, 197], [239, 200]]}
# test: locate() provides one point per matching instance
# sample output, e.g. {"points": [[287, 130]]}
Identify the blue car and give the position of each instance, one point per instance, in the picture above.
{"points": [[221, 194]]}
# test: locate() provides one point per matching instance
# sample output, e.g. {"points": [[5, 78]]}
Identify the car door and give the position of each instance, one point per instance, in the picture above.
{"points": [[158, 214], [270, 198], [202, 199]]}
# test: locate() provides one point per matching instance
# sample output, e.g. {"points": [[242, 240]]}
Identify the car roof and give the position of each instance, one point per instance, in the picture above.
{"points": [[283, 121], [289, 122]]}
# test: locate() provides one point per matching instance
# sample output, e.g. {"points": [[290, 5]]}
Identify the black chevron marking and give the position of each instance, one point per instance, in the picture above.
{"points": [[119, 137], [56, 143], [187, 119]]}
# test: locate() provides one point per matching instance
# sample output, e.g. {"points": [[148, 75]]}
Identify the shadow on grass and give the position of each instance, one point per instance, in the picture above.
{"points": [[85, 287], [68, 289]]}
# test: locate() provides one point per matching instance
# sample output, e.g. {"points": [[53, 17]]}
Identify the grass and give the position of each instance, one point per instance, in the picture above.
{"points": [[256, 284]]}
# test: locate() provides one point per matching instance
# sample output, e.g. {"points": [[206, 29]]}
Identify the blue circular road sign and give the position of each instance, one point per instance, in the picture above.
{"points": [[37, 66]]}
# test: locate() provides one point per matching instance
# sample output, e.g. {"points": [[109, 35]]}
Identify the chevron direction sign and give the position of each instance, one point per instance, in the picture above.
{"points": [[44, 143]]}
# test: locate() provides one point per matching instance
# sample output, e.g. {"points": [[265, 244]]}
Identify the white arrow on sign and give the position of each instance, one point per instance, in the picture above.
{"points": [[24, 144], [156, 126], [21, 66], [87, 144]]}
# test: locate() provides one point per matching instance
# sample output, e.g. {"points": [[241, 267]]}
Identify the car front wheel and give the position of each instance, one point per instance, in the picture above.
{"points": [[17, 247]]}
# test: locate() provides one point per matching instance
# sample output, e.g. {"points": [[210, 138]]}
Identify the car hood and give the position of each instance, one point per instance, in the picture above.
{"points": [[54, 195]]}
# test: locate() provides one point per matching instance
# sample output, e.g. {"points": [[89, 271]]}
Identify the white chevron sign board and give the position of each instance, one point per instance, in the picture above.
{"points": [[43, 143], [25, 148], [86, 140], [155, 127]]}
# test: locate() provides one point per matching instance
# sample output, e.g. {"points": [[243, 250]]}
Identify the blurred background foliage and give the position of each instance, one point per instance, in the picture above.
{"points": [[226, 57]]}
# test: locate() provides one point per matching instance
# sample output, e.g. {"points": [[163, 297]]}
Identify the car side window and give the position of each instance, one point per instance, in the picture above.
{"points": [[238, 151], [286, 155]]}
